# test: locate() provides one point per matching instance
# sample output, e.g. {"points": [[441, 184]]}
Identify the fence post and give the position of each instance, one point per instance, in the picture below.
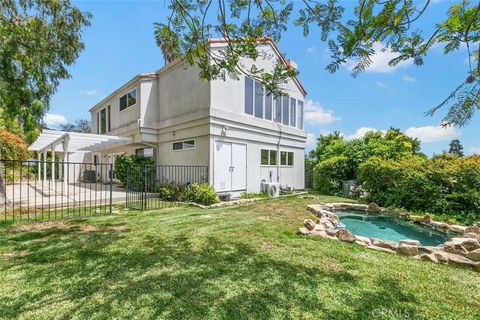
{"points": [[145, 187], [111, 186]]}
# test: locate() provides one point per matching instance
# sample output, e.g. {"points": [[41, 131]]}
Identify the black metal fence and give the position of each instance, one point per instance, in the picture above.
{"points": [[160, 186], [51, 189]]}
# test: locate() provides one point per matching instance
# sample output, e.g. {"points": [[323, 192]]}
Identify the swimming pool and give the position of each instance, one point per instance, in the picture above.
{"points": [[385, 227]]}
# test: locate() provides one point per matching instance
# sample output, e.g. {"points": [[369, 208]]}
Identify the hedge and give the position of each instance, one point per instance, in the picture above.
{"points": [[330, 173], [444, 185]]}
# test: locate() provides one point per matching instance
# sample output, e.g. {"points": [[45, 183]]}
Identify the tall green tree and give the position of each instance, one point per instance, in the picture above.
{"points": [[391, 24], [39, 39], [455, 147]]}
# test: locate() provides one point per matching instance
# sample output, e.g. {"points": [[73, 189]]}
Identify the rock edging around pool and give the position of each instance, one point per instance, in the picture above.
{"points": [[462, 250]]}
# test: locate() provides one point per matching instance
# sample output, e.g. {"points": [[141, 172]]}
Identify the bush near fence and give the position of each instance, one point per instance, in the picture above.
{"points": [[444, 185]]}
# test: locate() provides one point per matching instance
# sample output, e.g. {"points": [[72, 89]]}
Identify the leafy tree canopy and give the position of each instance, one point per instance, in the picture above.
{"points": [[391, 23], [456, 148], [39, 39], [392, 144], [81, 125]]}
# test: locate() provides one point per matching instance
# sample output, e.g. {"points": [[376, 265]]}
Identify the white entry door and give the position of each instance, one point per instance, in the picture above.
{"points": [[230, 166]]}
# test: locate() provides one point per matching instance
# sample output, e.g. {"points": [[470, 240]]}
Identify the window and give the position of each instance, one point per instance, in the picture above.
{"points": [[293, 111], [248, 96], [128, 99], [286, 158], [258, 100], [278, 110], [144, 152], [264, 154], [183, 145], [103, 121], [98, 122], [268, 106], [268, 157], [286, 118], [109, 122], [300, 115]]}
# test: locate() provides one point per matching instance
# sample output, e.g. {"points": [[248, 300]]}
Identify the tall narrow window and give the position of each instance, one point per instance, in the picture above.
{"points": [[278, 109], [109, 122], [300, 115], [248, 96], [293, 111], [258, 99], [268, 106], [98, 122], [103, 121], [285, 113]]}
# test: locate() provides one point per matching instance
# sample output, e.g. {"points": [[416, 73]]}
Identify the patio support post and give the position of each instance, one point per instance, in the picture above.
{"points": [[52, 165], [65, 143], [45, 165]]}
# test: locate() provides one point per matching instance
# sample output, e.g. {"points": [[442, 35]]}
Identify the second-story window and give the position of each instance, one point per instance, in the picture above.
{"points": [[128, 99], [268, 106], [103, 121], [109, 122], [300, 115], [293, 110], [258, 100], [278, 109], [285, 113], [248, 96]]}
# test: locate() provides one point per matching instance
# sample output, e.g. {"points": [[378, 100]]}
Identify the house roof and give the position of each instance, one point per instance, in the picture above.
{"points": [[277, 51]]}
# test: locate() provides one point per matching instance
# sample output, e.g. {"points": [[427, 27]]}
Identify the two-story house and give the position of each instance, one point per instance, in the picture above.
{"points": [[233, 126]]}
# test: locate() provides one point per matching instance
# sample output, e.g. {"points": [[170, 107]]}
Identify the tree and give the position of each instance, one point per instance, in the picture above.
{"points": [[38, 40], [81, 125], [392, 25], [455, 147]]}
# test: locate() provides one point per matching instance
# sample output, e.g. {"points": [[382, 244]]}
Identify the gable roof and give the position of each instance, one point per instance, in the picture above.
{"points": [[277, 51]]}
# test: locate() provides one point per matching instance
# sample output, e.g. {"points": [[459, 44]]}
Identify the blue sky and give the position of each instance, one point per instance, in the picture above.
{"points": [[120, 44]]}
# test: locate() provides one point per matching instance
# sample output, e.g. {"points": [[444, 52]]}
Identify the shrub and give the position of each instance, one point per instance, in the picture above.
{"points": [[130, 170], [329, 174], [198, 193], [444, 185], [12, 146], [203, 194]]}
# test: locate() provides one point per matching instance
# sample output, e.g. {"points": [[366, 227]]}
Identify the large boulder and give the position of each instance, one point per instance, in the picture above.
{"points": [[374, 207], [408, 249], [471, 235], [441, 256], [384, 244], [461, 246], [456, 259], [345, 235], [326, 223], [364, 241], [303, 231], [309, 224], [410, 242], [474, 255], [473, 229]]}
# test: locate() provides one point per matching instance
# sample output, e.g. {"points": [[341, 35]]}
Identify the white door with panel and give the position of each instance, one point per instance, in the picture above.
{"points": [[230, 166]]}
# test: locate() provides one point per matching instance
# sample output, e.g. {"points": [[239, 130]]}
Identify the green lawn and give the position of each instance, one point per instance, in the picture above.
{"points": [[227, 263]]}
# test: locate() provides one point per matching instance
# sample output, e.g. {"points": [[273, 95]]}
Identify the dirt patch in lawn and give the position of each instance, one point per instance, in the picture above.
{"points": [[60, 225], [266, 246], [18, 253]]}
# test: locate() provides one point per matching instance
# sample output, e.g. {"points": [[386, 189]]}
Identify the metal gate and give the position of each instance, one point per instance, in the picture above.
{"points": [[160, 186], [51, 189]]}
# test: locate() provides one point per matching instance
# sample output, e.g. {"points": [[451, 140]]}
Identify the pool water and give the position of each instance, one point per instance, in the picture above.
{"points": [[389, 228]]}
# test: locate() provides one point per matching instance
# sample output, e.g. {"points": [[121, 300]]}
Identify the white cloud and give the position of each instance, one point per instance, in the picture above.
{"points": [[380, 60], [90, 92], [54, 120], [429, 134], [409, 79], [312, 49], [475, 150], [360, 133], [315, 113]]}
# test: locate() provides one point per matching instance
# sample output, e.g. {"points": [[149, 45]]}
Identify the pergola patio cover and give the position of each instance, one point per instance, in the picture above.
{"points": [[67, 142]]}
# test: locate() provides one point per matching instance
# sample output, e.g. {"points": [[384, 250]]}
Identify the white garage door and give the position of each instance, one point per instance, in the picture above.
{"points": [[230, 166]]}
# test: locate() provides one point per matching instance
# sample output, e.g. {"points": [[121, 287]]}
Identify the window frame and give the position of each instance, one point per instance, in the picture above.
{"points": [[269, 158], [183, 145], [287, 158], [126, 97]]}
